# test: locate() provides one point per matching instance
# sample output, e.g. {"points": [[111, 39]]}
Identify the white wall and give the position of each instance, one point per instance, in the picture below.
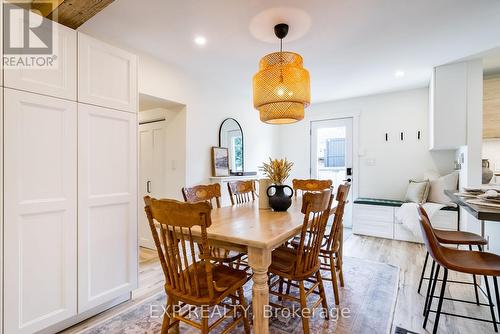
{"points": [[395, 162], [207, 105]]}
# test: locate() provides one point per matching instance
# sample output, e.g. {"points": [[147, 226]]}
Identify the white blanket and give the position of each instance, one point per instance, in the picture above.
{"points": [[408, 215]]}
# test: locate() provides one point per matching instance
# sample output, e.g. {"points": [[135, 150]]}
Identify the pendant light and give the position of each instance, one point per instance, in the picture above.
{"points": [[281, 88]]}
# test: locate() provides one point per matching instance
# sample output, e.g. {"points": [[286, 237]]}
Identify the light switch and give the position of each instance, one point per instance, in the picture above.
{"points": [[371, 162]]}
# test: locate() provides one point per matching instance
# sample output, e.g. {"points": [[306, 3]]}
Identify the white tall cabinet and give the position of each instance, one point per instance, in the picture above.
{"points": [[40, 211], [69, 199], [107, 204]]}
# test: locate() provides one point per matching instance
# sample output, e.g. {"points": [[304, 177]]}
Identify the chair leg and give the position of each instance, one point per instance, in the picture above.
{"points": [[431, 296], [440, 303], [303, 306], [280, 288], [166, 316], [244, 306], [491, 303], [423, 272], [475, 283], [429, 286], [339, 268], [322, 295], [204, 320], [288, 286], [335, 283]]}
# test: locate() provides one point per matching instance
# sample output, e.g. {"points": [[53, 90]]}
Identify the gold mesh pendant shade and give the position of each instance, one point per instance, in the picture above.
{"points": [[281, 88]]}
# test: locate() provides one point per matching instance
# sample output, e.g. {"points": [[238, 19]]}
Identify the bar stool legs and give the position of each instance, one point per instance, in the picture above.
{"points": [[431, 295], [491, 303], [429, 285], [440, 303], [423, 272], [475, 284]]}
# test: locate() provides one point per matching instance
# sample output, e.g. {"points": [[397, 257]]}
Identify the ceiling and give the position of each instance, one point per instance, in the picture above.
{"points": [[351, 48]]}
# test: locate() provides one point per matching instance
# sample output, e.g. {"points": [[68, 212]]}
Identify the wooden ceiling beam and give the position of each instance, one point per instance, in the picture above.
{"points": [[74, 13]]}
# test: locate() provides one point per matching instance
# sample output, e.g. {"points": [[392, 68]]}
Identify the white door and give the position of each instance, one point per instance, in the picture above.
{"points": [[331, 154], [58, 80], [40, 175], [151, 173], [107, 205], [107, 76]]}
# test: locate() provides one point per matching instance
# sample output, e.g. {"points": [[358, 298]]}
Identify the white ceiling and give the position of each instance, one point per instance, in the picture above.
{"points": [[353, 47]]}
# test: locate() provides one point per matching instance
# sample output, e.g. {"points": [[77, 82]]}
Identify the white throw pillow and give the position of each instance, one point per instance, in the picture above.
{"points": [[417, 192], [439, 185]]}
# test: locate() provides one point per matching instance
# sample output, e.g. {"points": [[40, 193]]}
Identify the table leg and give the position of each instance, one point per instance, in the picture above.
{"points": [[260, 259]]}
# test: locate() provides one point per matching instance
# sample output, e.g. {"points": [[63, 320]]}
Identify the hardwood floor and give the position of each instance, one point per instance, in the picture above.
{"points": [[408, 257]]}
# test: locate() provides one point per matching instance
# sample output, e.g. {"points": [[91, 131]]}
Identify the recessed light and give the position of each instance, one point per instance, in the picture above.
{"points": [[200, 40], [399, 74]]}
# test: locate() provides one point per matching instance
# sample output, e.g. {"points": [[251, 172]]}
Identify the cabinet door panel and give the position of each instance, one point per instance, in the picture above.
{"points": [[59, 80], [107, 76], [40, 211], [107, 212]]}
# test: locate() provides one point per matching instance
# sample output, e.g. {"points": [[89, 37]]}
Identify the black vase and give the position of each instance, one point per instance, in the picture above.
{"points": [[279, 201]]}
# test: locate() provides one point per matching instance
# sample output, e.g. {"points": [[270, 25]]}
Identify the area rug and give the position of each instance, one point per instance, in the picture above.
{"points": [[367, 306]]}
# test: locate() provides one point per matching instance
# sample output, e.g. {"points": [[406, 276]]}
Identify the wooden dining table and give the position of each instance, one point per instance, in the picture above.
{"points": [[256, 232]]}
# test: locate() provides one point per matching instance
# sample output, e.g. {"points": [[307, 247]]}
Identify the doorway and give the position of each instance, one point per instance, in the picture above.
{"points": [[332, 155]]}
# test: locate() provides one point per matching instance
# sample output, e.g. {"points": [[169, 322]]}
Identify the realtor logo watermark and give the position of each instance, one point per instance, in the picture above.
{"points": [[29, 40]]}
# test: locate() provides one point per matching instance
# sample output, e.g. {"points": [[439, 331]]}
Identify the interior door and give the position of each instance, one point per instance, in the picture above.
{"points": [[40, 173], [107, 205], [151, 173], [331, 155]]}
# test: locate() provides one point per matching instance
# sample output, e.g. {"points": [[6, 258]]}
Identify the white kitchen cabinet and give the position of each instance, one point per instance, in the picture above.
{"points": [[107, 76], [107, 210], [448, 107], [40, 230], [59, 80]]}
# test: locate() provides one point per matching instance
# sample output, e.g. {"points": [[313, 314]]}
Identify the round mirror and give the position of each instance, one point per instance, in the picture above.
{"points": [[231, 137]]}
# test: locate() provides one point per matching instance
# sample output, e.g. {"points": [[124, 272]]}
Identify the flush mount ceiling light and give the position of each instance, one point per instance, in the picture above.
{"points": [[200, 40], [399, 74], [281, 88]]}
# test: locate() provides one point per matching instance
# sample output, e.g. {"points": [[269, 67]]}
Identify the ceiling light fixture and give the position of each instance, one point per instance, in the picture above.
{"points": [[281, 88], [399, 74], [200, 40]]}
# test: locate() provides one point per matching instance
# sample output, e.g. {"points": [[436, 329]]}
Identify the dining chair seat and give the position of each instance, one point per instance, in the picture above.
{"points": [[283, 259], [459, 238], [225, 280], [471, 262]]}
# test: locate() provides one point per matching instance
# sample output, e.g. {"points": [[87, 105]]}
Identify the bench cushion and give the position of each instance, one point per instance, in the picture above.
{"points": [[390, 202]]}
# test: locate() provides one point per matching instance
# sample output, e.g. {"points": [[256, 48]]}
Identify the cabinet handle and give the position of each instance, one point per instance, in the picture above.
{"points": [[148, 187]]}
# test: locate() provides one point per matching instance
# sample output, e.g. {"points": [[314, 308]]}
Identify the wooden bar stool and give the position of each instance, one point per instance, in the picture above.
{"points": [[463, 261]]}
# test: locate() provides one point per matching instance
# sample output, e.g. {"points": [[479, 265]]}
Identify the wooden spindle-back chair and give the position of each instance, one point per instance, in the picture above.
{"points": [[302, 263], [241, 191], [190, 276], [210, 193], [310, 185], [203, 193], [331, 250]]}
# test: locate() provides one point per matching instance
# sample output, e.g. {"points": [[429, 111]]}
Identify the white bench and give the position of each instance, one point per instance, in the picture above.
{"points": [[377, 218]]}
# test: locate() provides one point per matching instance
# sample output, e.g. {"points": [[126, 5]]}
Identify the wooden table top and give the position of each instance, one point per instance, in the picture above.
{"points": [[246, 224], [478, 211]]}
